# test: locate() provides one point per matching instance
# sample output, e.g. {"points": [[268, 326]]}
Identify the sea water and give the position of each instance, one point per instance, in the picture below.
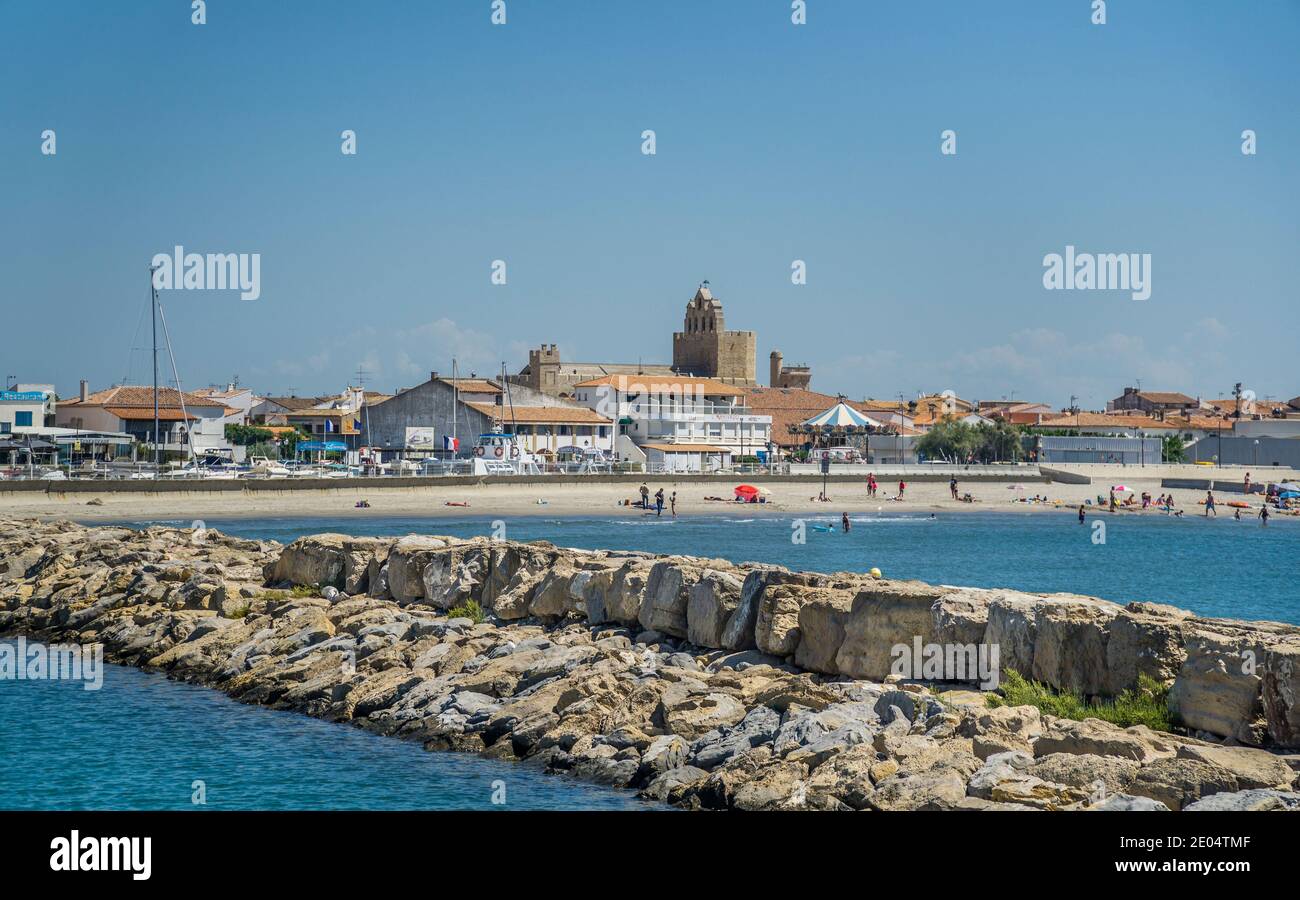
{"points": [[1222, 567], [143, 741]]}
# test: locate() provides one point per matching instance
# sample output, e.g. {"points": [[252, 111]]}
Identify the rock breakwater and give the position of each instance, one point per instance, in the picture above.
{"points": [[695, 681]]}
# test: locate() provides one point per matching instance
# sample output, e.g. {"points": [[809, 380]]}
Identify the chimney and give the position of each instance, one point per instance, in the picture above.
{"points": [[433, 376], [85, 391]]}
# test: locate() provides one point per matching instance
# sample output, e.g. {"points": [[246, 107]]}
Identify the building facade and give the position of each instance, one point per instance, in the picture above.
{"points": [[27, 408], [679, 410], [186, 422]]}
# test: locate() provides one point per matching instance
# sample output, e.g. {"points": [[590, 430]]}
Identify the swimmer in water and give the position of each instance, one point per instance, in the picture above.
{"points": [[1082, 514], [844, 522]]}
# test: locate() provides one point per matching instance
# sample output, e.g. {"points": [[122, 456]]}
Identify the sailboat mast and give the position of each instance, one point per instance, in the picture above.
{"points": [[153, 316]]}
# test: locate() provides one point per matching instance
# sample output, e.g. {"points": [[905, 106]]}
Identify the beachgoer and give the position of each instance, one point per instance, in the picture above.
{"points": [[1237, 515], [1263, 514], [659, 502], [1113, 505], [844, 522], [1209, 505], [1247, 482], [1082, 515], [901, 487], [645, 496], [952, 486], [672, 501]]}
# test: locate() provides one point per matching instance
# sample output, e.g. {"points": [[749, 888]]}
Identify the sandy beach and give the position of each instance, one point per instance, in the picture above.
{"points": [[602, 498]]}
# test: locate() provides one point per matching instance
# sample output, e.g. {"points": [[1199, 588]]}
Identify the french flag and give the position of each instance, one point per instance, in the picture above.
{"points": [[450, 443]]}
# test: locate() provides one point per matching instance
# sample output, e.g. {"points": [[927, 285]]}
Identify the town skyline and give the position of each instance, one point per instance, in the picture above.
{"points": [[821, 144]]}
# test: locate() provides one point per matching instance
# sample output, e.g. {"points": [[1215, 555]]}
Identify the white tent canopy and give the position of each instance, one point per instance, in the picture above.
{"points": [[841, 415]]}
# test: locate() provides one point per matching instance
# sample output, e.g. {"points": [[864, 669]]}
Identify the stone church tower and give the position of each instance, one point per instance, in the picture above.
{"points": [[705, 349]]}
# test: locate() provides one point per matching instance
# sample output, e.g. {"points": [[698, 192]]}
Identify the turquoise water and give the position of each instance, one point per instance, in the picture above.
{"points": [[141, 741], [1219, 567]]}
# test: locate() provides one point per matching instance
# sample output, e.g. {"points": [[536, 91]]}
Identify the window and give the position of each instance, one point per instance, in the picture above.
{"points": [[6, 427], [23, 419]]}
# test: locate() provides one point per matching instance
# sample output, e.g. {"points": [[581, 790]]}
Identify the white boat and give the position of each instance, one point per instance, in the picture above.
{"points": [[263, 467], [499, 453]]}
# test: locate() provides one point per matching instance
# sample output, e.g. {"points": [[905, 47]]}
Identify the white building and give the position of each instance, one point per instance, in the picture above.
{"points": [[185, 420], [657, 410], [686, 458], [234, 397], [26, 408], [551, 429]]}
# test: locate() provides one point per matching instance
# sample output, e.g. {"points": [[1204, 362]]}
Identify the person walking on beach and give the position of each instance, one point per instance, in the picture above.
{"points": [[901, 487], [871, 484], [844, 522], [952, 486], [659, 502], [1209, 505], [1247, 482], [1113, 505], [645, 496], [672, 502]]}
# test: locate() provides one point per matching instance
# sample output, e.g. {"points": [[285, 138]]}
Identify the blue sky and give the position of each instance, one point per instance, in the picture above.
{"points": [[774, 142]]}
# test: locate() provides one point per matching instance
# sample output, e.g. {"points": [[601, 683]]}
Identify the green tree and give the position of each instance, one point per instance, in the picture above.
{"points": [[243, 435], [1174, 450]]}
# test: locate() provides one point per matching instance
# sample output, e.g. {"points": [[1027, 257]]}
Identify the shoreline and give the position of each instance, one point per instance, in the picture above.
{"points": [[580, 499]]}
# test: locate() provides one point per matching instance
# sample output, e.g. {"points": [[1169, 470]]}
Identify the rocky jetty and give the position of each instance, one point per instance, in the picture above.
{"points": [[694, 681]]}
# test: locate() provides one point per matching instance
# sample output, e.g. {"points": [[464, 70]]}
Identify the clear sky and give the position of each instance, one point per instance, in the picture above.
{"points": [[775, 142]]}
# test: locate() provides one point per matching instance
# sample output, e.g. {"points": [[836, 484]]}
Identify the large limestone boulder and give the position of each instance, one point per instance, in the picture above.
{"points": [[455, 575], [713, 600], [553, 597], [328, 560], [961, 617], [886, 615], [514, 571], [1100, 776], [1001, 729], [1145, 639], [822, 620], [1218, 686], [627, 588], [776, 631], [1251, 767], [1280, 693], [1179, 782], [693, 711], [777, 786], [1070, 648], [1013, 629], [1097, 738], [738, 633], [1247, 801], [667, 593], [406, 563]]}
